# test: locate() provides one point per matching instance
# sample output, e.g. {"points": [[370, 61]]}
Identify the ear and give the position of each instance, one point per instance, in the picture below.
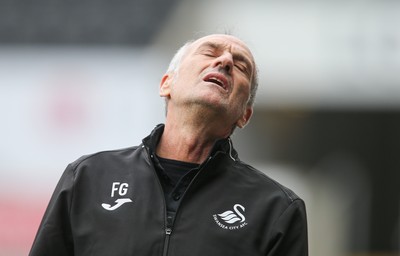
{"points": [[244, 120], [165, 85]]}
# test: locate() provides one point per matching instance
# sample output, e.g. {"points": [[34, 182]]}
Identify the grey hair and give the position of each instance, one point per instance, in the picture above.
{"points": [[177, 58], [253, 86]]}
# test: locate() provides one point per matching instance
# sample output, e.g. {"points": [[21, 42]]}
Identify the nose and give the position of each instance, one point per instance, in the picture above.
{"points": [[225, 61]]}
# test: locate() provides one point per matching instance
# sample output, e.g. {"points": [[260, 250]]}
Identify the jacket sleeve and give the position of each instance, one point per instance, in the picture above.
{"points": [[289, 234], [54, 236]]}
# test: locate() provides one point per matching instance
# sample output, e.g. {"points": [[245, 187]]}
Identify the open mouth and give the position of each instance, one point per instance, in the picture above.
{"points": [[217, 79]]}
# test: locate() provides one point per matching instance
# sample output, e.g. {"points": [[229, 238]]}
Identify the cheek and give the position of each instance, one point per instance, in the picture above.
{"points": [[241, 97], [243, 88], [184, 76]]}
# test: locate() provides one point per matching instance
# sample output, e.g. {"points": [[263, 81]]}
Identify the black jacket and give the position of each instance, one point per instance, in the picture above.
{"points": [[111, 203]]}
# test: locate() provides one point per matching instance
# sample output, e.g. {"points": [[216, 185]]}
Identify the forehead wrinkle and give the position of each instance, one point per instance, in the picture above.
{"points": [[211, 45]]}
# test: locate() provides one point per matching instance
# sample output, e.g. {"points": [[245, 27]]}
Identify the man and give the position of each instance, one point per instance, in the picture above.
{"points": [[183, 191]]}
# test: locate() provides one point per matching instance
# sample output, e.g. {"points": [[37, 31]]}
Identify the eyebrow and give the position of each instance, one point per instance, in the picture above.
{"points": [[236, 56]]}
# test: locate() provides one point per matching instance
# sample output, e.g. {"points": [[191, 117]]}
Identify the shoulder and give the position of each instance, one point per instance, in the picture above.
{"points": [[104, 157], [266, 184]]}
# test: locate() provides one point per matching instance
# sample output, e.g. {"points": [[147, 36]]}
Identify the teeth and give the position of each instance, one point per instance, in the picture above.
{"points": [[217, 80]]}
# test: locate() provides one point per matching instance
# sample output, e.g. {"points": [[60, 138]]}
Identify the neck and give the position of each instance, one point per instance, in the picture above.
{"points": [[189, 139]]}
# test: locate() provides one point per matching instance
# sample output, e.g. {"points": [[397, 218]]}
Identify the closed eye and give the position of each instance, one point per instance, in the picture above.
{"points": [[209, 53], [242, 68]]}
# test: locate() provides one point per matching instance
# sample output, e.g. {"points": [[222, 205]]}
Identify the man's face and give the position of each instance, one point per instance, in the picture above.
{"points": [[216, 73]]}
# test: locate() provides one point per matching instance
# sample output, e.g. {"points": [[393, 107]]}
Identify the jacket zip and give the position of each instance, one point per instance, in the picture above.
{"points": [[168, 231], [170, 222]]}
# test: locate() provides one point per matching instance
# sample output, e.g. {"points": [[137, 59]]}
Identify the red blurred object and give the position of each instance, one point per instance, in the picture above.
{"points": [[19, 221]]}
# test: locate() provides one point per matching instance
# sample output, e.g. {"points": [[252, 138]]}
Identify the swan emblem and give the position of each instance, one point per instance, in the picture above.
{"points": [[234, 216]]}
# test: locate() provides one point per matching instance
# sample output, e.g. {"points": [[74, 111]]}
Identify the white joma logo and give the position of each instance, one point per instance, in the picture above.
{"points": [[118, 202], [122, 190]]}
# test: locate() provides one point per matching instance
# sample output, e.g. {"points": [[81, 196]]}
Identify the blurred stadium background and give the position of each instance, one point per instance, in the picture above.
{"points": [[78, 77]]}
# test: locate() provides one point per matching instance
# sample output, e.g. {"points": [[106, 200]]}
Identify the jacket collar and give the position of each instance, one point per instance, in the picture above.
{"points": [[221, 146]]}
